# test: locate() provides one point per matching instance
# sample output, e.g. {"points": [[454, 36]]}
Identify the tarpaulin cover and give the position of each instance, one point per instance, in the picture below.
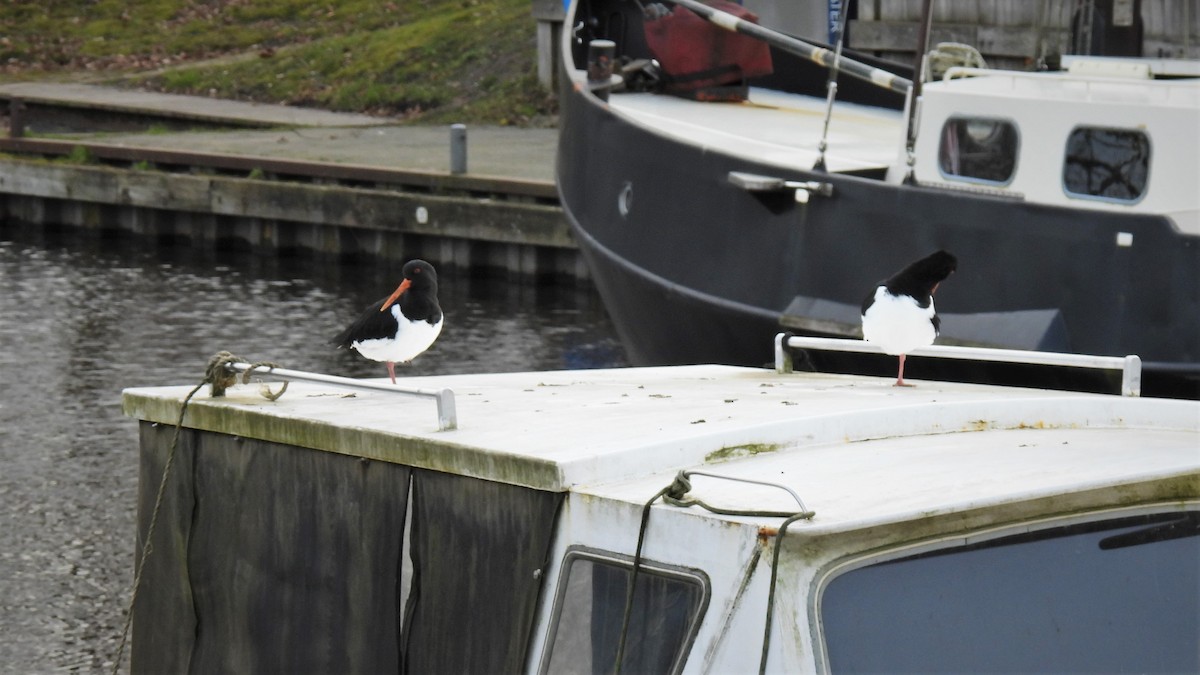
{"points": [[479, 552], [270, 558]]}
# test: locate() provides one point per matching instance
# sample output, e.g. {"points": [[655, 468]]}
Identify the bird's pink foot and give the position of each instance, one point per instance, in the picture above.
{"points": [[392, 371]]}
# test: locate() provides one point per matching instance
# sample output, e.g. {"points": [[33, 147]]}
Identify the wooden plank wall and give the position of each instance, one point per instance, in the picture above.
{"points": [[1013, 33]]}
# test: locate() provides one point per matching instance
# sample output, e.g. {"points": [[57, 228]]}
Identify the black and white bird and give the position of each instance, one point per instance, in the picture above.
{"points": [[899, 315], [399, 327]]}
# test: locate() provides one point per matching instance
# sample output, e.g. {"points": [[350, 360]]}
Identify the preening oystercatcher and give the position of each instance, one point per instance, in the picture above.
{"points": [[400, 326], [899, 315]]}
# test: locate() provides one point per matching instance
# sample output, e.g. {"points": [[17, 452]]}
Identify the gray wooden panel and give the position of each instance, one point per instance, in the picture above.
{"points": [[269, 558]]}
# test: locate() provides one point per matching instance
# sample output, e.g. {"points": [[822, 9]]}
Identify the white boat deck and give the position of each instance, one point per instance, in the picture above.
{"points": [[857, 450], [785, 130], [782, 129]]}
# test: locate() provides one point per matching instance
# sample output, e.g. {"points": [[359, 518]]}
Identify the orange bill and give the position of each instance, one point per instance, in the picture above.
{"points": [[396, 294]]}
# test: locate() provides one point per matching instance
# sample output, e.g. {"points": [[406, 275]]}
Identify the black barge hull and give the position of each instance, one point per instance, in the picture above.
{"points": [[694, 269]]}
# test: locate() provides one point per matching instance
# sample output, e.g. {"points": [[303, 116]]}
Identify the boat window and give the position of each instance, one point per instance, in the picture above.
{"points": [[667, 607], [978, 148], [1107, 163], [1119, 595]]}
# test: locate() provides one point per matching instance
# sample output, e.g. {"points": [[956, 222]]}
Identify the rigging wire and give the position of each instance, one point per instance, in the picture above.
{"points": [[676, 494], [831, 86]]}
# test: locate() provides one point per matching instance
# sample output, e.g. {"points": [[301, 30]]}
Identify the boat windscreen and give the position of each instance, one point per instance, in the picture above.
{"points": [[1119, 595]]}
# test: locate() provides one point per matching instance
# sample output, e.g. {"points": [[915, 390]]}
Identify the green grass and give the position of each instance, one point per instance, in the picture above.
{"points": [[79, 155], [430, 61]]}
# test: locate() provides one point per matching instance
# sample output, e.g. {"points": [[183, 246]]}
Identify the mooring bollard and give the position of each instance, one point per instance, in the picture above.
{"points": [[458, 148], [16, 118], [600, 66]]}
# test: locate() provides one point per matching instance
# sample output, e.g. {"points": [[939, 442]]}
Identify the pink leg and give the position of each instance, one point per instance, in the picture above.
{"points": [[900, 376], [392, 371]]}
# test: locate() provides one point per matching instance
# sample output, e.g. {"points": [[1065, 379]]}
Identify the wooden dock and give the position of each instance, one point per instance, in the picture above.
{"points": [[305, 184]]}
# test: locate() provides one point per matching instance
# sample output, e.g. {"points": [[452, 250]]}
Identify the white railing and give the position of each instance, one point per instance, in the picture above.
{"points": [[1130, 366], [447, 415]]}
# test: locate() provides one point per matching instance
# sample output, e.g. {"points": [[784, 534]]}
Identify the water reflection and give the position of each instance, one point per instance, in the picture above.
{"points": [[82, 317]]}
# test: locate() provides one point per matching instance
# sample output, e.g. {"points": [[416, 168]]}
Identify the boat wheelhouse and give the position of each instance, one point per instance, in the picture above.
{"points": [[1113, 125], [787, 522]]}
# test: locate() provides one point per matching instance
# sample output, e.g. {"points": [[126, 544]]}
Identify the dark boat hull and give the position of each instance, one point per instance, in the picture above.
{"points": [[663, 323], [694, 269]]}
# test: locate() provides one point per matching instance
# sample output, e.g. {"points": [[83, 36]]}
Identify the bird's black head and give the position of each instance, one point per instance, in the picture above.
{"points": [[420, 273], [419, 276], [934, 267], [919, 279]]}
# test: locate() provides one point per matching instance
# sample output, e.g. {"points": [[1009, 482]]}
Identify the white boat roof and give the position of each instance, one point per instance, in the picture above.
{"points": [[775, 127], [856, 449], [1070, 87]]}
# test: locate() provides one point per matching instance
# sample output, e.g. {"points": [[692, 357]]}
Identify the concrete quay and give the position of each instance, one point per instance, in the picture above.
{"points": [[275, 180]]}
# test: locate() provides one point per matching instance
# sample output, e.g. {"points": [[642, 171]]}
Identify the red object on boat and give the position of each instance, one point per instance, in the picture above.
{"points": [[705, 61]]}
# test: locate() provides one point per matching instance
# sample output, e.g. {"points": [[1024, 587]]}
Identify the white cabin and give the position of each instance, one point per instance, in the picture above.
{"points": [[945, 526], [1101, 135]]}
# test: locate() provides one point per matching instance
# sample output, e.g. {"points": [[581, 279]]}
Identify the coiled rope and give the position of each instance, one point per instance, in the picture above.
{"points": [[676, 495], [220, 376]]}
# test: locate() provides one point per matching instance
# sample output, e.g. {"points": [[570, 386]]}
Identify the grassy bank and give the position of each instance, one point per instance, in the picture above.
{"points": [[429, 61]]}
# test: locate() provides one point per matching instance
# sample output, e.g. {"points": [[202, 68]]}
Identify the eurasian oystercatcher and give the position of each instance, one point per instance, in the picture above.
{"points": [[400, 326], [899, 315]]}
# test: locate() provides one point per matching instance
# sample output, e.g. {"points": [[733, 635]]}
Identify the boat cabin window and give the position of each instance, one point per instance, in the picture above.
{"points": [[1107, 163], [589, 610], [978, 149], [1117, 595]]}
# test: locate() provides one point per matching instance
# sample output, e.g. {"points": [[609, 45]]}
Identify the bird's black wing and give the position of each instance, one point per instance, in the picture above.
{"points": [[371, 324], [870, 299]]}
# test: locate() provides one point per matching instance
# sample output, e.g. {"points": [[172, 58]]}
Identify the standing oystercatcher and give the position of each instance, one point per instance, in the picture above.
{"points": [[898, 315], [402, 325]]}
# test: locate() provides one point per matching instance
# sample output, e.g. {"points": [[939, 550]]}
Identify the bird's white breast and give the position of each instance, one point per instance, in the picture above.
{"points": [[897, 323], [412, 338]]}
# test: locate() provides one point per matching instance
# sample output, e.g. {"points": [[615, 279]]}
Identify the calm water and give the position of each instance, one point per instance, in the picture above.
{"points": [[81, 319]]}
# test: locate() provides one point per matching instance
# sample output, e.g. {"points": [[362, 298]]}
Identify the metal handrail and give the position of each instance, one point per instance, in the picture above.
{"points": [[800, 502], [1130, 366], [447, 414]]}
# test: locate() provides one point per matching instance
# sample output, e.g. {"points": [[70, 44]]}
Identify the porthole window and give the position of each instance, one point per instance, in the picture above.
{"points": [[979, 149], [590, 607], [1107, 163]]}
